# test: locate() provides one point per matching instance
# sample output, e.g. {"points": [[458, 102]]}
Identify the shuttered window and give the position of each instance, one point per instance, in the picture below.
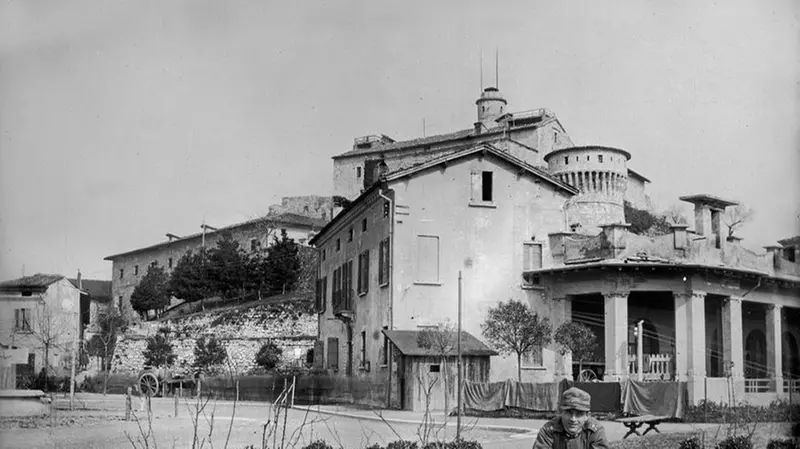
{"points": [[363, 272], [333, 353], [383, 262], [532, 256], [427, 258]]}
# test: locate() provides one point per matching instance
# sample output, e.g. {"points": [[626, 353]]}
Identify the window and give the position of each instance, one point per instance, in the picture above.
{"points": [[427, 259], [532, 357], [119, 303], [338, 244], [383, 263], [121, 273], [482, 187], [531, 256], [350, 235], [169, 262], [363, 348], [385, 351], [136, 270], [337, 288], [321, 297], [435, 368], [363, 272], [255, 245], [486, 186], [566, 160], [333, 353], [324, 253], [22, 320], [600, 158], [154, 263], [358, 172], [788, 254], [364, 225], [555, 137]]}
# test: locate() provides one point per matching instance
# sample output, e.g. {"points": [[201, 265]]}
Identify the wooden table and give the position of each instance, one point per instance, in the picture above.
{"points": [[634, 422]]}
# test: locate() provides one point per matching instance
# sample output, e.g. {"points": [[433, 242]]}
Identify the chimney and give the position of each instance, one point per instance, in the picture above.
{"points": [[478, 126], [80, 282]]}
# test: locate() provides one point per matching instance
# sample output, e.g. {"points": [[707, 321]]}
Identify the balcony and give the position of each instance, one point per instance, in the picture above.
{"points": [[655, 367], [342, 303]]}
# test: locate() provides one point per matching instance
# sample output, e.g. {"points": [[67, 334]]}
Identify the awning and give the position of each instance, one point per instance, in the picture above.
{"points": [[406, 342]]}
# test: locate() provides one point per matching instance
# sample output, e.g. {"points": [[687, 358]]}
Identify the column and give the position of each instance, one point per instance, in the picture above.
{"points": [[690, 342], [616, 335], [774, 346], [733, 344], [561, 312]]}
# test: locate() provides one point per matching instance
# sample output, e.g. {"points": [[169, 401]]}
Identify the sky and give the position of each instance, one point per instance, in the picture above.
{"points": [[123, 120]]}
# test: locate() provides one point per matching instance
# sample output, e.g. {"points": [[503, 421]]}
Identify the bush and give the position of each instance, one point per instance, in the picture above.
{"points": [[318, 444], [464, 444], [736, 442], [712, 412], [159, 351], [91, 384], [691, 443], [209, 353], [784, 444], [402, 444], [268, 356]]}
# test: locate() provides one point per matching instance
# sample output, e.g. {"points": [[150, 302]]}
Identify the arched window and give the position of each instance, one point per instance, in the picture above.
{"points": [[755, 349]]}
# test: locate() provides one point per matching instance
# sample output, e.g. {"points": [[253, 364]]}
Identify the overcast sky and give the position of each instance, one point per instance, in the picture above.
{"points": [[121, 121]]}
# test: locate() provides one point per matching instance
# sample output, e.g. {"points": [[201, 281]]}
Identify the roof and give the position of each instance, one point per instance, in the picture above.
{"points": [[406, 342], [95, 288], [711, 200], [37, 282], [587, 147], [462, 134], [286, 219], [791, 241], [635, 174], [487, 148]]}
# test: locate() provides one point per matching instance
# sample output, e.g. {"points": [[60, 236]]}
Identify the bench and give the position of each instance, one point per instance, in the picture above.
{"points": [[634, 422]]}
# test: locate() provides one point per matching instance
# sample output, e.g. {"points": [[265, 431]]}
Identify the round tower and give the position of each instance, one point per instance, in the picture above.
{"points": [[491, 105], [601, 176]]}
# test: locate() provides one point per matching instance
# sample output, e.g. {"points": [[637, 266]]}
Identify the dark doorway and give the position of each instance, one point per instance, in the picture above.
{"points": [[791, 355], [755, 355], [85, 314]]}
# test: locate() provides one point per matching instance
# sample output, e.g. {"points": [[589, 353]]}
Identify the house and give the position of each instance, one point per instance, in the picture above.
{"points": [[390, 262], [129, 267], [95, 299], [42, 313]]}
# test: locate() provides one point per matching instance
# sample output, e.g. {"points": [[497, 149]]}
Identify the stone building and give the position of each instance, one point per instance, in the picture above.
{"points": [[524, 214], [255, 235]]}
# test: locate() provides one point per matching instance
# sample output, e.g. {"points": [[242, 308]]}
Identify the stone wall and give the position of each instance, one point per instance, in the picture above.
{"points": [[310, 206], [291, 326]]}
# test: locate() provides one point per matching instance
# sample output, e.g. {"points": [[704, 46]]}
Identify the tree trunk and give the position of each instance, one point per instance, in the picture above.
{"points": [[519, 367], [46, 362]]}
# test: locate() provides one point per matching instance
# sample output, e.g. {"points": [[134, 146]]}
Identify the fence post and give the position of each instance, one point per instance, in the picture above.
{"points": [[128, 405], [176, 403]]}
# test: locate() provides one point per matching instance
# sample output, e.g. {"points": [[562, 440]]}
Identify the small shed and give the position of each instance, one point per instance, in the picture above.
{"points": [[420, 376]]}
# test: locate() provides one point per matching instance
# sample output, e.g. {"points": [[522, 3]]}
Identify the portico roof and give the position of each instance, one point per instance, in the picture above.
{"points": [[711, 200]]}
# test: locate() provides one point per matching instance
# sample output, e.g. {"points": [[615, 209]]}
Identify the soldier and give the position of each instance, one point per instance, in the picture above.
{"points": [[573, 428]]}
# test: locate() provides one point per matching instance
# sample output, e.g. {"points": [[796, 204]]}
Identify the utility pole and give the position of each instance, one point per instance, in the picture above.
{"points": [[458, 344]]}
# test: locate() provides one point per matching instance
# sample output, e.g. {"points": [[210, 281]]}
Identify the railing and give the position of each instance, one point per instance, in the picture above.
{"points": [[343, 302], [654, 366], [756, 385], [791, 385]]}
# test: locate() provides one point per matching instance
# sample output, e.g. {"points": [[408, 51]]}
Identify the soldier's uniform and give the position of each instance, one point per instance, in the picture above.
{"points": [[553, 435]]}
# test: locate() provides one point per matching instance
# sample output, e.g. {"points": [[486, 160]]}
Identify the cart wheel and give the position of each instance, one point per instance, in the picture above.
{"points": [[148, 384], [587, 375]]}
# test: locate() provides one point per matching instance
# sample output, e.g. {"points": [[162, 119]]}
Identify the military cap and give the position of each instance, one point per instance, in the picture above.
{"points": [[576, 399]]}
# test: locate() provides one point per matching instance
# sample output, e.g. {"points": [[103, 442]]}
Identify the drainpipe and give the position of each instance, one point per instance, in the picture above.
{"points": [[391, 294], [752, 289]]}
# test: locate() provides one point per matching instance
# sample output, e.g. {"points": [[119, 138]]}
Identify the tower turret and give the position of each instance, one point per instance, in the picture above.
{"points": [[491, 105]]}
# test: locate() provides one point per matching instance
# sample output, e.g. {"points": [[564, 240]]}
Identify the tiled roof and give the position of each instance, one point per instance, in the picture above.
{"points": [[791, 241], [96, 289], [406, 342], [421, 141], [38, 282], [282, 219]]}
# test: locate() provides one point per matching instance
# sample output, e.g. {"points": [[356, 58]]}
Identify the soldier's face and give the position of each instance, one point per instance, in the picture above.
{"points": [[573, 420]]}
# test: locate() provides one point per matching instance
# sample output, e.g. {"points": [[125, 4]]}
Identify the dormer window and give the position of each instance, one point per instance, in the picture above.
{"points": [[600, 158]]}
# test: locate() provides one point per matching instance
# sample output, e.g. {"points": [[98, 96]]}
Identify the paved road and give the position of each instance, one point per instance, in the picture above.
{"points": [[99, 425]]}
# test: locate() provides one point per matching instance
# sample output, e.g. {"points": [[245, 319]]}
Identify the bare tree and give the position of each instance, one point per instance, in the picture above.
{"points": [[103, 344], [676, 214], [440, 341], [54, 326], [736, 216]]}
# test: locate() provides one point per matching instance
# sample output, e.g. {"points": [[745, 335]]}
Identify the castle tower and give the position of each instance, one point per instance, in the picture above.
{"points": [[491, 105], [601, 175]]}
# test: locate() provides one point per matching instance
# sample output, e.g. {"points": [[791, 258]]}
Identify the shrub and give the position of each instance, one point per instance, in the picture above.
{"points": [[268, 356], [736, 442], [464, 444], [784, 444], [402, 444], [318, 444], [209, 352], [159, 351], [374, 446], [691, 443]]}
